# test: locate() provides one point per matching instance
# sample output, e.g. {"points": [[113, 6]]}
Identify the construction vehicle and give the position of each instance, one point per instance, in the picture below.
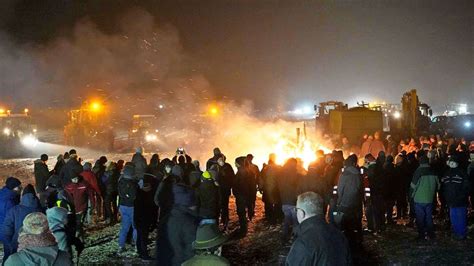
{"points": [[144, 131], [414, 118], [336, 118], [18, 133], [89, 126], [323, 111]]}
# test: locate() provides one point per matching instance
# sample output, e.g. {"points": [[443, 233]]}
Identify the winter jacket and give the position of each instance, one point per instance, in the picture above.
{"points": [[319, 243], [8, 199], [205, 260], [90, 178], [226, 177], [208, 199], [176, 232], [140, 165], [79, 194], [375, 173], [41, 175], [40, 256], [212, 161], [145, 209], [288, 185], [14, 219], [244, 183], [456, 187], [110, 180], [270, 174], [70, 170], [57, 220], [127, 190], [349, 190], [424, 184]]}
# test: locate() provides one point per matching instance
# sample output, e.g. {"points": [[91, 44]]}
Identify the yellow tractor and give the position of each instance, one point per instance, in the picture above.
{"points": [[89, 126]]}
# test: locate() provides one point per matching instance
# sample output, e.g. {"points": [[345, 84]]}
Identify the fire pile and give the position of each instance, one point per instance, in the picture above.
{"points": [[304, 150]]}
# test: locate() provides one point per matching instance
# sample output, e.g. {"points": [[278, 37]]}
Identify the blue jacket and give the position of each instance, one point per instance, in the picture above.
{"points": [[14, 219], [8, 199]]}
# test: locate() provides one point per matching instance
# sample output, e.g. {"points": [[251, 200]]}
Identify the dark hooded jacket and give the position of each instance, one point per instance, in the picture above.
{"points": [[319, 243], [178, 223], [208, 198], [14, 219], [41, 175], [226, 178], [127, 187], [140, 165], [288, 184], [70, 170], [349, 190]]}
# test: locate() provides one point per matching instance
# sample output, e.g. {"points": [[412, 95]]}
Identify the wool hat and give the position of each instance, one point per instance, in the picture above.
{"points": [[35, 223], [12, 183], [208, 236]]}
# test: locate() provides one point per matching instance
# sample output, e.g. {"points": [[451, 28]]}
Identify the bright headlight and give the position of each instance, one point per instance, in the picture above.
{"points": [[29, 141], [397, 115], [6, 131], [151, 137], [467, 124]]}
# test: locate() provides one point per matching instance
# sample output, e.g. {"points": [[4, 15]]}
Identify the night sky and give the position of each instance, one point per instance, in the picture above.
{"points": [[292, 52]]}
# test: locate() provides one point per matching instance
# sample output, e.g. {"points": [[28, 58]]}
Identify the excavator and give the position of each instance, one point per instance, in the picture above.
{"points": [[89, 126], [414, 117]]}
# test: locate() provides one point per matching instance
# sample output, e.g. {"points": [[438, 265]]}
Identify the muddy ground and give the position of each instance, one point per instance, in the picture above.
{"points": [[262, 246]]}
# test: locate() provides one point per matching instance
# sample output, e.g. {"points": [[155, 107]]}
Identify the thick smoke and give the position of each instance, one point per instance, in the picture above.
{"points": [[135, 71]]}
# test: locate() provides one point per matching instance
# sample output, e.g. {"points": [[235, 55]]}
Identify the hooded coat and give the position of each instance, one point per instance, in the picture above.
{"points": [[41, 175], [8, 199], [208, 199], [140, 165], [79, 194], [70, 170], [40, 256], [127, 188], [349, 190], [57, 220], [14, 219]]}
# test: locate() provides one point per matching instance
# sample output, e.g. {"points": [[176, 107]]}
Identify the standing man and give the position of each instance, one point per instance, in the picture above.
{"points": [[213, 161], [41, 173], [71, 169], [455, 188], [9, 197], [423, 186], [225, 179], [317, 242], [127, 191], [349, 200], [255, 175], [242, 192]]}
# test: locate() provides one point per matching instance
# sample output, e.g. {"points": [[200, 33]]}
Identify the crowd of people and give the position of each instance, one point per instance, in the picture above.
{"points": [[321, 207]]}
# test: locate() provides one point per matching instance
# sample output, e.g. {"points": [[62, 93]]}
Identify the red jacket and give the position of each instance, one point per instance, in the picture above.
{"points": [[79, 194], [91, 180]]}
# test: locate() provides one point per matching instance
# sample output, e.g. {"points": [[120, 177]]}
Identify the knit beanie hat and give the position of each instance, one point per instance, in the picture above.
{"points": [[12, 183], [35, 223]]}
